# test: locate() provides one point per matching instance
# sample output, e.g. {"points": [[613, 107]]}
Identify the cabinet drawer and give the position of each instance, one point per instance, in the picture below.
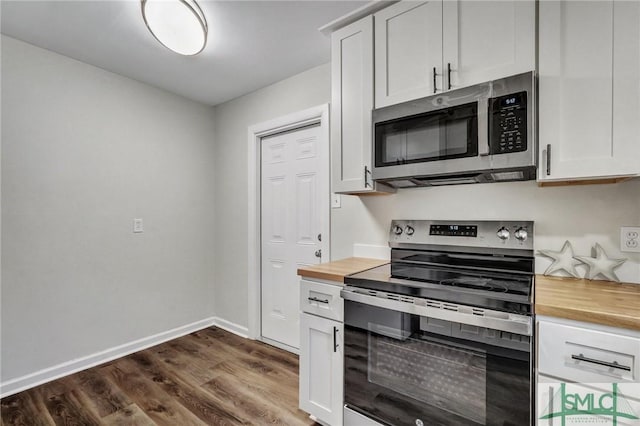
{"points": [[587, 356], [321, 299]]}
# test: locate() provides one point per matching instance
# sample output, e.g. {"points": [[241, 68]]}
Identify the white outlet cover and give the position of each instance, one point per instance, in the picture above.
{"points": [[630, 239]]}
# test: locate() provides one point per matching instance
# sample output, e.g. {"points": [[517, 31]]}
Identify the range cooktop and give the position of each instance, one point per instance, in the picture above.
{"points": [[488, 264]]}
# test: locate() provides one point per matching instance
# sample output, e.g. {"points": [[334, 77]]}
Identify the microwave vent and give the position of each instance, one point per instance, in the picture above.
{"points": [[448, 180], [454, 181], [505, 176], [402, 183]]}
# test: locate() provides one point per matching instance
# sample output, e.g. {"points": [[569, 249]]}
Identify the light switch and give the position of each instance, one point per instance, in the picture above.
{"points": [[138, 226]]}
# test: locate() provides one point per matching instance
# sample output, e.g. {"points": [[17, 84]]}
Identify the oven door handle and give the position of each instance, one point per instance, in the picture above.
{"points": [[496, 320]]}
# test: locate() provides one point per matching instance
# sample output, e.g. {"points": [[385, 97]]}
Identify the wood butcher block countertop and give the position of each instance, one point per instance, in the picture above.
{"points": [[336, 271], [600, 302]]}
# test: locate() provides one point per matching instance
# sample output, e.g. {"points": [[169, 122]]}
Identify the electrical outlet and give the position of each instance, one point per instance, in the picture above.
{"points": [[335, 201], [138, 226], [630, 239]]}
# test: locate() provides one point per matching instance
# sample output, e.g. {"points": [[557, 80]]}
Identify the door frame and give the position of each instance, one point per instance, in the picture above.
{"points": [[315, 115]]}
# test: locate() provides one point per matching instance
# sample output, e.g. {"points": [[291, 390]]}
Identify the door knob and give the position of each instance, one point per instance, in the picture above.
{"points": [[318, 253]]}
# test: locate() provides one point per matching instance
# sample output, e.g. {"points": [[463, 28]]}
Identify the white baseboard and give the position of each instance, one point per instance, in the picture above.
{"points": [[231, 327], [28, 381], [372, 251]]}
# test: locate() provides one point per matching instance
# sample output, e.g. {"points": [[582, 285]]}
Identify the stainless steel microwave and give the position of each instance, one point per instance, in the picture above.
{"points": [[476, 134]]}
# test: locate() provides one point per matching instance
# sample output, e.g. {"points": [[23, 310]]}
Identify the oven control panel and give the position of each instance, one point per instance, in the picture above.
{"points": [[508, 123], [454, 230], [486, 233]]}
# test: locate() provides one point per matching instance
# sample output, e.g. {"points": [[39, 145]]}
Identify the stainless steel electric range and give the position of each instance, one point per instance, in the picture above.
{"points": [[443, 335]]}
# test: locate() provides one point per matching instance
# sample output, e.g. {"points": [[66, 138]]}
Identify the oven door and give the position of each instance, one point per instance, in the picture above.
{"points": [[405, 369]]}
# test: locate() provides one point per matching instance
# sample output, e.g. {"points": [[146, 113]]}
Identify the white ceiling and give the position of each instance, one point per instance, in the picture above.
{"points": [[251, 43]]}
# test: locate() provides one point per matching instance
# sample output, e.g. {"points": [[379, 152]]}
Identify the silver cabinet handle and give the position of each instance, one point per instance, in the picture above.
{"points": [[335, 339], [613, 364], [315, 299], [448, 75], [548, 159]]}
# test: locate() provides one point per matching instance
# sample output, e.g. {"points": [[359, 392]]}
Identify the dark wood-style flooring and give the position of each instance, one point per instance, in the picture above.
{"points": [[210, 377]]}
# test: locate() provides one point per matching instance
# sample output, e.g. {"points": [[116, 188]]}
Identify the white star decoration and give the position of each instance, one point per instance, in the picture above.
{"points": [[601, 265], [563, 260]]}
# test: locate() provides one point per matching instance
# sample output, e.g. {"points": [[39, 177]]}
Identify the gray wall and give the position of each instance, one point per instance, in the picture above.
{"points": [[305, 90], [582, 214], [85, 151]]}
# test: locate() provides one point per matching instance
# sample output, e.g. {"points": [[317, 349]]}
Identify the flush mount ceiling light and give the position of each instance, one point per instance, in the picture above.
{"points": [[179, 25]]}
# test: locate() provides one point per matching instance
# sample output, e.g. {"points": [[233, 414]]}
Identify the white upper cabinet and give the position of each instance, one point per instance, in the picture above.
{"points": [[487, 40], [351, 106], [589, 89], [428, 47], [408, 51]]}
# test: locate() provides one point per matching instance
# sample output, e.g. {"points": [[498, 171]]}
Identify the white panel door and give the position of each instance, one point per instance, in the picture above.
{"points": [[589, 86], [486, 40], [295, 224], [321, 368], [408, 51]]}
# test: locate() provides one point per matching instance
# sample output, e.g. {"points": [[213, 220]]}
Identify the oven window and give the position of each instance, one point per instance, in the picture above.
{"points": [[400, 368], [437, 135], [452, 379]]}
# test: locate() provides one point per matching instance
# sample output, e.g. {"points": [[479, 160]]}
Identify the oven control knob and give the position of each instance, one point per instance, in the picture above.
{"points": [[397, 230], [409, 230], [521, 234], [503, 233]]}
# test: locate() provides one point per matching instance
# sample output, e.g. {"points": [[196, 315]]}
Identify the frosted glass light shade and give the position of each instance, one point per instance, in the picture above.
{"points": [[179, 25]]}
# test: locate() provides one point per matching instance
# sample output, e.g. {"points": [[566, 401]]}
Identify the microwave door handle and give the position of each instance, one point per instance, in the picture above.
{"points": [[483, 126]]}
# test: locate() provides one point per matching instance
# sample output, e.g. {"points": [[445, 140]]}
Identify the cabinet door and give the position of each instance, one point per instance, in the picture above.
{"points": [[351, 105], [626, 86], [588, 89], [408, 47], [321, 365], [487, 40]]}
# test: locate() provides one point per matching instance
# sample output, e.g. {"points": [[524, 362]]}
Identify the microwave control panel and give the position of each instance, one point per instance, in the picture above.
{"points": [[508, 123]]}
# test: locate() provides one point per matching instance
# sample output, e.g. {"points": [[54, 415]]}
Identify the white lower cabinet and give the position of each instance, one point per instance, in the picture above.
{"points": [[321, 364], [588, 362], [571, 351], [321, 351]]}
